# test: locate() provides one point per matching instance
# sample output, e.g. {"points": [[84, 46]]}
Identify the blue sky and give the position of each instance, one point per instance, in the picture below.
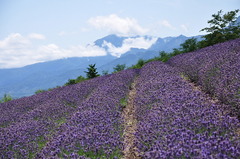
{"points": [[40, 30]]}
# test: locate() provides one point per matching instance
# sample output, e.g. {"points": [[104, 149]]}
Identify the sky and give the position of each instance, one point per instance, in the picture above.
{"points": [[34, 31]]}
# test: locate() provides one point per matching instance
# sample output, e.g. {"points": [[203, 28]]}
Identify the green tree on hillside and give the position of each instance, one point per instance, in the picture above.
{"points": [[222, 28], [75, 81], [70, 82], [105, 72], [6, 98], [80, 79], [189, 45], [119, 67], [92, 71], [139, 64]]}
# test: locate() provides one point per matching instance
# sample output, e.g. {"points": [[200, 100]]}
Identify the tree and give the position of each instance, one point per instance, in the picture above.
{"points": [[139, 64], [39, 91], [92, 71], [189, 45], [6, 98], [119, 68], [222, 28], [70, 82], [176, 52], [105, 72], [163, 56], [80, 79]]}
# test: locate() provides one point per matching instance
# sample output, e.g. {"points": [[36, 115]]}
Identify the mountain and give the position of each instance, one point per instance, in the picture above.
{"points": [[167, 44], [113, 39], [26, 80], [19, 82], [134, 54]]}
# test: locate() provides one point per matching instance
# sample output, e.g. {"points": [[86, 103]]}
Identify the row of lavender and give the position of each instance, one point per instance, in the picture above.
{"points": [[15, 110], [95, 130], [29, 124], [216, 69], [176, 121]]}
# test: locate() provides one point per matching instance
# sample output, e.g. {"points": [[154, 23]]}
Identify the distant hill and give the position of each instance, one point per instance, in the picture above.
{"points": [[19, 82]]}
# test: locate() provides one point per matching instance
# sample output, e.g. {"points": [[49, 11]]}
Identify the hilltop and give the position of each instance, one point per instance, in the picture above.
{"points": [[185, 108]]}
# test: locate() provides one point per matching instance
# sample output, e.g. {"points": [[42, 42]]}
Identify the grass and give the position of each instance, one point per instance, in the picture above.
{"points": [[61, 121], [123, 102], [41, 142]]}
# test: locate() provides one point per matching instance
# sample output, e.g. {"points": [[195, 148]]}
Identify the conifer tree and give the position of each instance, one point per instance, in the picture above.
{"points": [[92, 71]]}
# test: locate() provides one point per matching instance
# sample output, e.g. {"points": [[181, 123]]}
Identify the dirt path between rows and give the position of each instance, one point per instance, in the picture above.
{"points": [[130, 126]]}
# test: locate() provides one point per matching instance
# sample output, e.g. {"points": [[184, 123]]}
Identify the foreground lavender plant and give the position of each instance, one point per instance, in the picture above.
{"points": [[176, 121]]}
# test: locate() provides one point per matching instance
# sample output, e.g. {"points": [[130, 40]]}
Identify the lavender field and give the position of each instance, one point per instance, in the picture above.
{"points": [[216, 69], [186, 108], [178, 121]]}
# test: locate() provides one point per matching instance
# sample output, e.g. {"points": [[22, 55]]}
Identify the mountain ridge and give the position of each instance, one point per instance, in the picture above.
{"points": [[24, 81]]}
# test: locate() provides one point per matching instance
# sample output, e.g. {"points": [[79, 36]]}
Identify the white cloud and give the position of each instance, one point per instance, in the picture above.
{"points": [[167, 24], [140, 43], [184, 28], [14, 41], [17, 51], [117, 25], [86, 51], [36, 36]]}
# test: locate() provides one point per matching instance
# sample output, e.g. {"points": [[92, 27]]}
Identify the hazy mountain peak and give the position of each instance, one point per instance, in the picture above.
{"points": [[113, 39]]}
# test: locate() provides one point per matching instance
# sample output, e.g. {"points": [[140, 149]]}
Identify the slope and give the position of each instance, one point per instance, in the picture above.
{"points": [[165, 117]]}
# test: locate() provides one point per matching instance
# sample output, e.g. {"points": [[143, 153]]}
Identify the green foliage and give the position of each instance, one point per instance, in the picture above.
{"points": [[176, 52], [221, 28], [123, 102], [39, 91], [104, 72], [6, 98], [139, 64], [61, 121], [164, 57], [75, 81], [43, 90], [92, 71], [80, 79], [119, 68], [41, 142], [189, 45], [70, 82]]}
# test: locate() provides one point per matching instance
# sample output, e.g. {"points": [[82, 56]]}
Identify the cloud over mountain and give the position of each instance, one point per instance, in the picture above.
{"points": [[17, 50], [135, 42], [117, 25]]}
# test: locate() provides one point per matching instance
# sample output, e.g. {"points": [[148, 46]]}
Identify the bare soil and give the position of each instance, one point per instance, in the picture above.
{"points": [[130, 126]]}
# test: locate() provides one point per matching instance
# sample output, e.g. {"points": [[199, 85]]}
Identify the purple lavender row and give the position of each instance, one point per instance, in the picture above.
{"points": [[69, 96], [95, 130], [30, 132], [216, 69], [176, 121]]}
